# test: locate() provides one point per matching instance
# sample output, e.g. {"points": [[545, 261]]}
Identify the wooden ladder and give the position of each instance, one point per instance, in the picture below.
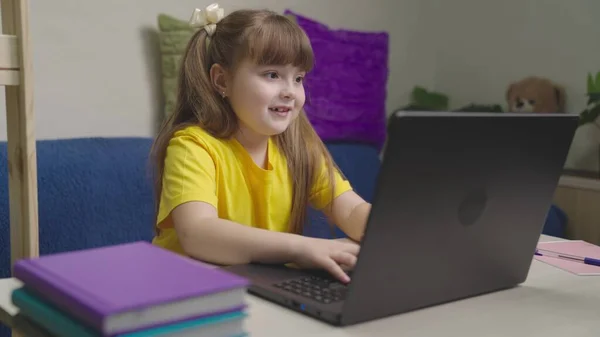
{"points": [[16, 77]]}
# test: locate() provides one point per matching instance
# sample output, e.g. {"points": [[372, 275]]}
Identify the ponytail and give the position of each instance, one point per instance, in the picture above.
{"points": [[197, 103]]}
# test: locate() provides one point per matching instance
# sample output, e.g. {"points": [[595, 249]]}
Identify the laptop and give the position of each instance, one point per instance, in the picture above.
{"points": [[459, 206]]}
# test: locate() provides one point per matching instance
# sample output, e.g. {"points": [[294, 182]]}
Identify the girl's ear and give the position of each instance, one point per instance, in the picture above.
{"points": [[219, 79]]}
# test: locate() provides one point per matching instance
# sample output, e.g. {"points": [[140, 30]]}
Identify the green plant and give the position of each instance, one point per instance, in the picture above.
{"points": [[423, 99], [591, 113], [593, 87]]}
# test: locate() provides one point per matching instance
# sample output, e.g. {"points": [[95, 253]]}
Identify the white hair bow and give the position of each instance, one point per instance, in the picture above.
{"points": [[207, 18]]}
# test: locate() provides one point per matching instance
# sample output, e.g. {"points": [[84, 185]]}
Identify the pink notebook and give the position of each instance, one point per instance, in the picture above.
{"points": [[574, 247]]}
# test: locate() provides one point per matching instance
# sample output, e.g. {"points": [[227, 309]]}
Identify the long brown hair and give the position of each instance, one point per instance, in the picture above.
{"points": [[267, 38]]}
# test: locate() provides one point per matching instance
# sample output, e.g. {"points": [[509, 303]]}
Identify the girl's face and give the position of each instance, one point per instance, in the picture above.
{"points": [[266, 99]]}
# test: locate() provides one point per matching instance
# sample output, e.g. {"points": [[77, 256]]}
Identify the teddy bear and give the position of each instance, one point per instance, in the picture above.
{"points": [[535, 94]]}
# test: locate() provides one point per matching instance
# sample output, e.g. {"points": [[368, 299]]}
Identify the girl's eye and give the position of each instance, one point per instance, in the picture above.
{"points": [[299, 79], [271, 75]]}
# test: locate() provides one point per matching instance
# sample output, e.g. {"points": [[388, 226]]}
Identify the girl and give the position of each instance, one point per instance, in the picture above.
{"points": [[238, 161]]}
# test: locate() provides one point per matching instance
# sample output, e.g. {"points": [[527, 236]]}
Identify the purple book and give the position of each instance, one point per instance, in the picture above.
{"points": [[128, 287]]}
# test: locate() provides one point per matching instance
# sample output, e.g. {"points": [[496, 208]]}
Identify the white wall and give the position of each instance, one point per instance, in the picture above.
{"points": [[96, 65], [483, 45]]}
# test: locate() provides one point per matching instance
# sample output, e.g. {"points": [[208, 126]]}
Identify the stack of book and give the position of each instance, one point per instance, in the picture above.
{"points": [[129, 290]]}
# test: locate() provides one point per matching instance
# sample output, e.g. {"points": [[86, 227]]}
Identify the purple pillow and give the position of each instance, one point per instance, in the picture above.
{"points": [[346, 91]]}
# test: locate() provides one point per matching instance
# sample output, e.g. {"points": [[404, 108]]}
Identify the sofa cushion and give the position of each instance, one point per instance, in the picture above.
{"points": [[174, 35]]}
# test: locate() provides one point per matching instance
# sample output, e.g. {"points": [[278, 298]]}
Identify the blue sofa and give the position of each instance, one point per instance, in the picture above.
{"points": [[97, 191]]}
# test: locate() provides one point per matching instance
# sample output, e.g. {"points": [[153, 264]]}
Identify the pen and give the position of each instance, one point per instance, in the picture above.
{"points": [[582, 259]]}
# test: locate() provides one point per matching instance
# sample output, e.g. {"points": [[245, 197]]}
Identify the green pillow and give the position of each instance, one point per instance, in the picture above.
{"points": [[174, 35]]}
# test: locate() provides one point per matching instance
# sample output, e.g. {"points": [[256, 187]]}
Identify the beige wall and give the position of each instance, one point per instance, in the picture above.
{"points": [[483, 45], [96, 63]]}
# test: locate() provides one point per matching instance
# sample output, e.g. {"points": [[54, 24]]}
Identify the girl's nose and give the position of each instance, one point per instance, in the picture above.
{"points": [[287, 93]]}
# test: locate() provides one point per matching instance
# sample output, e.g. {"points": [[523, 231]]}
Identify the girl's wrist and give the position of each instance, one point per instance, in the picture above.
{"points": [[295, 246]]}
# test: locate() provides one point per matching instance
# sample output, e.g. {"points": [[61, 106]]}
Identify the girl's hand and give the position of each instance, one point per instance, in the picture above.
{"points": [[329, 255]]}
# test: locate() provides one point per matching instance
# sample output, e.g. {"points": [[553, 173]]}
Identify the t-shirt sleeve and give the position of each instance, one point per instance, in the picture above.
{"points": [[321, 192], [189, 175]]}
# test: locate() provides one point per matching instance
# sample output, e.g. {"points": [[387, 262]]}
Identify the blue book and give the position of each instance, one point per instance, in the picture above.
{"points": [[59, 323]]}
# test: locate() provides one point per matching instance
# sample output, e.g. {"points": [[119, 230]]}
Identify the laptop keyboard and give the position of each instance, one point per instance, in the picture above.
{"points": [[320, 289]]}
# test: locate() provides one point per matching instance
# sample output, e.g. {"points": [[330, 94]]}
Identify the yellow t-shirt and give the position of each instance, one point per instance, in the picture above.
{"points": [[199, 167]]}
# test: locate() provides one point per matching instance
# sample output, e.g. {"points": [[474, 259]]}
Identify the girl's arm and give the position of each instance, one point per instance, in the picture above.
{"points": [[349, 212], [204, 236]]}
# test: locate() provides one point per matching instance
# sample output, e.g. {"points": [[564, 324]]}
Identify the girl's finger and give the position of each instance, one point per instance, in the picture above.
{"points": [[336, 270], [345, 258]]}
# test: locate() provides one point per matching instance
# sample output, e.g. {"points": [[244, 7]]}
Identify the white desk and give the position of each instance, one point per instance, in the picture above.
{"points": [[551, 302]]}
